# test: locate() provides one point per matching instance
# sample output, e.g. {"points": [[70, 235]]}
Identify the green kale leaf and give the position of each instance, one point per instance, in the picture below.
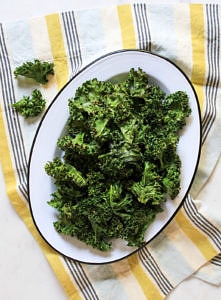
{"points": [[37, 70], [30, 106]]}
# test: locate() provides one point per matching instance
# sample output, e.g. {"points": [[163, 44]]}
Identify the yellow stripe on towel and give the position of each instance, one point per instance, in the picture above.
{"points": [[198, 51], [127, 26], [196, 236], [9, 175], [149, 289], [58, 49]]}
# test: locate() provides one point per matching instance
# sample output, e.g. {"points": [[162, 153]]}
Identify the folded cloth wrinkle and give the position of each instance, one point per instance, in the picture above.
{"points": [[211, 271], [187, 34]]}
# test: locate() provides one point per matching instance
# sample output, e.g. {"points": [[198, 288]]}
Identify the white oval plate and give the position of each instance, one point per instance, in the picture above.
{"points": [[170, 78]]}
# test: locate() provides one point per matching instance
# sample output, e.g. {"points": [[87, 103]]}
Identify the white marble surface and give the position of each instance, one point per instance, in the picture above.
{"points": [[24, 271]]}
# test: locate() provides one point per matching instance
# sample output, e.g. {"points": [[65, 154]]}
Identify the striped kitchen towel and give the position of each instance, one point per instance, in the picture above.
{"points": [[189, 35]]}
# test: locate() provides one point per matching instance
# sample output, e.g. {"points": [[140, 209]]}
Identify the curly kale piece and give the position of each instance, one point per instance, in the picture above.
{"points": [[171, 179], [37, 70], [30, 106], [176, 109], [149, 189], [119, 162], [63, 172]]}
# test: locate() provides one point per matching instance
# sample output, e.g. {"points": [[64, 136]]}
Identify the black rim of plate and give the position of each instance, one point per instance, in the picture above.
{"points": [[193, 175]]}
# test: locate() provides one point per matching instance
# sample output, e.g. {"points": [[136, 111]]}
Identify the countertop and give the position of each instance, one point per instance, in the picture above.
{"points": [[24, 271]]}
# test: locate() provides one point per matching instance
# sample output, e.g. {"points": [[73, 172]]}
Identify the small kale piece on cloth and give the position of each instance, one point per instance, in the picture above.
{"points": [[37, 70], [30, 106]]}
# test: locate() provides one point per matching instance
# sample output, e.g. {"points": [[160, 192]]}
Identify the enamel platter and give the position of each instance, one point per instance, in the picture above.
{"points": [[165, 74]]}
